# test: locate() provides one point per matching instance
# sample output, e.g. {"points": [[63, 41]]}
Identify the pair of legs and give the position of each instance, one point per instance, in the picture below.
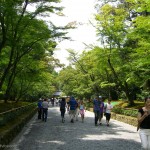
{"points": [[97, 113], [100, 117], [145, 138], [82, 114], [72, 115], [39, 113], [108, 116], [63, 115], [77, 113], [44, 114]]}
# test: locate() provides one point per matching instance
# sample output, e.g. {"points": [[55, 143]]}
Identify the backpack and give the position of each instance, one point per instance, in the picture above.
{"points": [[105, 107]]}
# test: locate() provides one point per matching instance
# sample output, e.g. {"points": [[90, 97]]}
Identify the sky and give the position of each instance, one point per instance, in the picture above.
{"points": [[81, 11]]}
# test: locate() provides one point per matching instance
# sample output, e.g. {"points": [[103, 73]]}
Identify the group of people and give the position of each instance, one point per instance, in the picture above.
{"points": [[42, 109], [100, 109], [74, 108]]}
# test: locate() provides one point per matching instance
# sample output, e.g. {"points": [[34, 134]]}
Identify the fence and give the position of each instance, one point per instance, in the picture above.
{"points": [[15, 112]]}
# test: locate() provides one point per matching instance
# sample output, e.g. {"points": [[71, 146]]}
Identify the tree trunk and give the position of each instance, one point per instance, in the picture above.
{"points": [[129, 95]]}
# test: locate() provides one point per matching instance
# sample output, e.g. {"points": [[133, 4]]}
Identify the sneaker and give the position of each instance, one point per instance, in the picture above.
{"points": [[100, 124], [107, 125]]}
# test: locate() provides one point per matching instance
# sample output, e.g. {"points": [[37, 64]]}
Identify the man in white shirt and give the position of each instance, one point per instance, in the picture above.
{"points": [[45, 110]]}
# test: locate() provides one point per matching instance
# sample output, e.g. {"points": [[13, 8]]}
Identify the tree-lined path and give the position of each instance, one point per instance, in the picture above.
{"points": [[54, 135]]}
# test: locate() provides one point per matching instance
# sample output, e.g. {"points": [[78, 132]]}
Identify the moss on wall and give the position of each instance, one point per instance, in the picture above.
{"points": [[14, 128]]}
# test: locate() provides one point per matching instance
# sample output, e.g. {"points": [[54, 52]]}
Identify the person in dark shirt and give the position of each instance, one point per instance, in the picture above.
{"points": [[144, 124], [101, 110], [72, 106], [96, 109], [39, 108], [63, 109]]}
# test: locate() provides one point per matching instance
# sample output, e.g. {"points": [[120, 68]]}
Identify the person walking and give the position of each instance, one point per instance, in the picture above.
{"points": [[52, 101], [96, 109], [82, 110], [77, 110], [144, 124], [72, 106], [108, 107], [63, 109], [45, 110], [101, 110], [39, 108]]}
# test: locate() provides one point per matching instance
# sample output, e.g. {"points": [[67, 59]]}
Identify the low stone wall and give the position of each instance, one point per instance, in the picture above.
{"points": [[8, 136], [125, 119], [122, 118]]}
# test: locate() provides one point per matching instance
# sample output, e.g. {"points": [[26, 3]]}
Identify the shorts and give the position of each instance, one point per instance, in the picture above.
{"points": [[82, 111]]}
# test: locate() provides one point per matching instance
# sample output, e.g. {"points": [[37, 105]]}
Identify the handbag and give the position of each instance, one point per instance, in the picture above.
{"points": [[105, 110]]}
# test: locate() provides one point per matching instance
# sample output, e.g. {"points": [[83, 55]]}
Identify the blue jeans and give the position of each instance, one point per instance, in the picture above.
{"points": [[97, 114], [44, 115]]}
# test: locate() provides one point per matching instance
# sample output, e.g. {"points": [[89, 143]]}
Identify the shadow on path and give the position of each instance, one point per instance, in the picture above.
{"points": [[54, 135]]}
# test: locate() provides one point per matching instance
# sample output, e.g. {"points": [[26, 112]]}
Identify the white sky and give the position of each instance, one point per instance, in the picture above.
{"points": [[80, 11]]}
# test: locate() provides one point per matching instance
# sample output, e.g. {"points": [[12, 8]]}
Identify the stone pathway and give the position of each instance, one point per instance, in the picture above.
{"points": [[54, 135]]}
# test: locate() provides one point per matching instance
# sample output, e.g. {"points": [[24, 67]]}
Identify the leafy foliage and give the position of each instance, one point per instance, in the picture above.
{"points": [[26, 48]]}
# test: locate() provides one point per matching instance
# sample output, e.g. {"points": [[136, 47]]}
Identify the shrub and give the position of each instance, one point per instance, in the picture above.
{"points": [[127, 112]]}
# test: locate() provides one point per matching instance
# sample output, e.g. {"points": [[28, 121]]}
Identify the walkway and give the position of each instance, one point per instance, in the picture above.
{"points": [[54, 135]]}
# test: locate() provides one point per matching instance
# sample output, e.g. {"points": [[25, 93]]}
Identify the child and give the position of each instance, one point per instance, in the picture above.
{"points": [[82, 110]]}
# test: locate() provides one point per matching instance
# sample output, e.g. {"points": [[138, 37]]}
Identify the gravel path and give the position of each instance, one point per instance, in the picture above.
{"points": [[54, 135]]}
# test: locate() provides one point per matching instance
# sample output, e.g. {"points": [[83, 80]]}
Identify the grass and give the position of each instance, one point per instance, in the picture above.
{"points": [[125, 104], [120, 104], [114, 102]]}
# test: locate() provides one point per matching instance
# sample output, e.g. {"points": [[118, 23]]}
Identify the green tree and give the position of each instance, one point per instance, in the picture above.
{"points": [[23, 36]]}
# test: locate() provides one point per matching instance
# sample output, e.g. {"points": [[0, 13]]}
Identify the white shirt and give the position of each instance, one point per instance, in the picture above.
{"points": [[108, 108], [45, 104]]}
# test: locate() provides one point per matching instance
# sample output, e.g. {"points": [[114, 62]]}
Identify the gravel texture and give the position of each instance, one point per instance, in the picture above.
{"points": [[55, 135]]}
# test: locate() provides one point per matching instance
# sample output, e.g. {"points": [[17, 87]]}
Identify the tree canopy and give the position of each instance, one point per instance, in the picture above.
{"points": [[119, 68]]}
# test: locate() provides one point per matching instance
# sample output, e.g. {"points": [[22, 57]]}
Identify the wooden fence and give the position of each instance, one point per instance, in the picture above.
{"points": [[15, 112]]}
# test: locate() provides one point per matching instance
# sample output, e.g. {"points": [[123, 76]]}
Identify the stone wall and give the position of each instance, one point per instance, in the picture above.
{"points": [[125, 119], [8, 136]]}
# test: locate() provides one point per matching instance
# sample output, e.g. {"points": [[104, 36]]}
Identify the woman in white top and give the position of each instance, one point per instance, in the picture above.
{"points": [[108, 108]]}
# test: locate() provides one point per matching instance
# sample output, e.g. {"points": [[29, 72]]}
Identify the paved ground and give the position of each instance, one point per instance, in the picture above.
{"points": [[54, 135]]}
